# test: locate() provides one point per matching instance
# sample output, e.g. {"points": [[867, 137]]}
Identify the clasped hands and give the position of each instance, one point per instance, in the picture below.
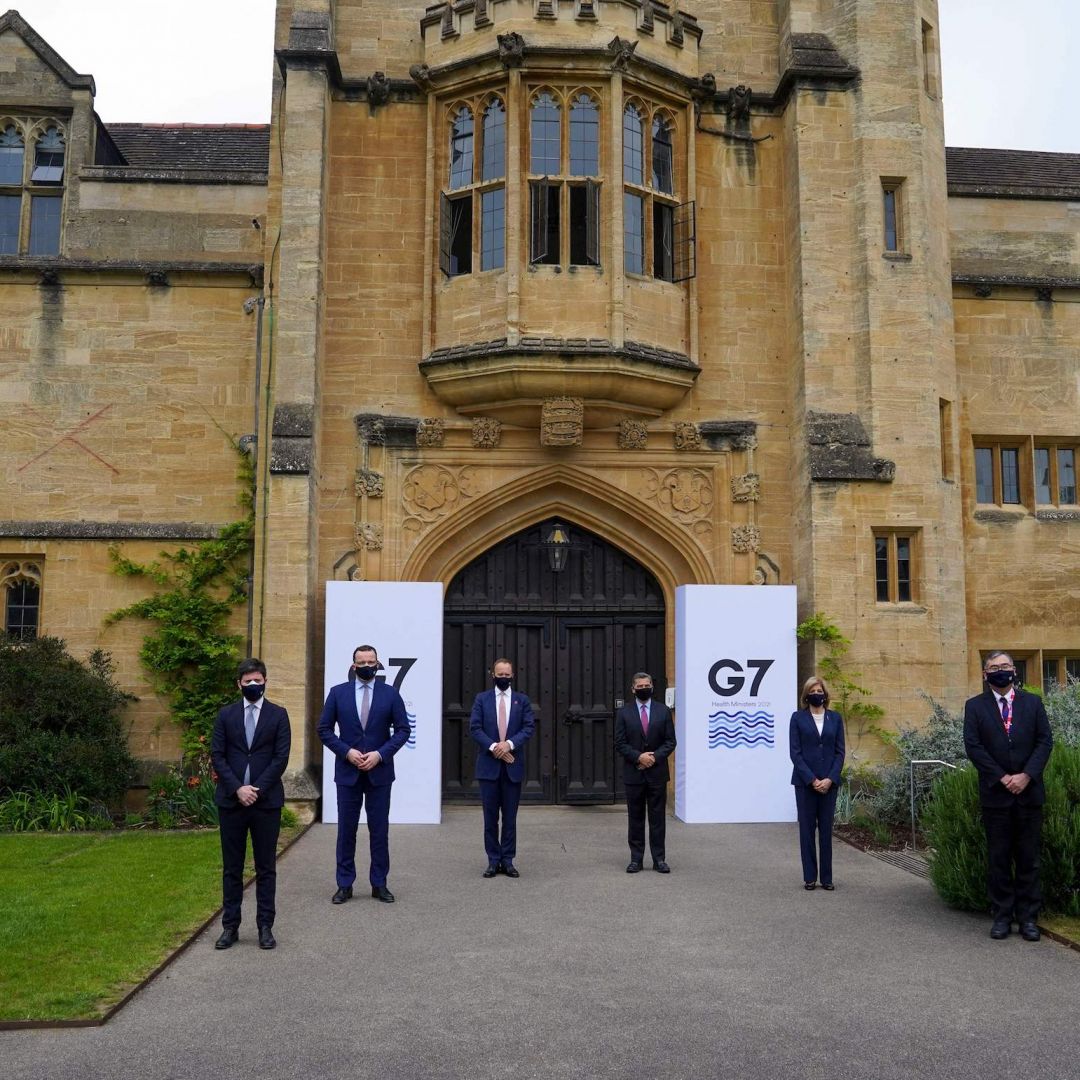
{"points": [[364, 762], [646, 760], [1016, 782], [247, 794], [822, 786], [502, 751]]}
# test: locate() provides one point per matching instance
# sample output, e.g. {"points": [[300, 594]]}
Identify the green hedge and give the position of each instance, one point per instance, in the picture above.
{"points": [[954, 829], [60, 723]]}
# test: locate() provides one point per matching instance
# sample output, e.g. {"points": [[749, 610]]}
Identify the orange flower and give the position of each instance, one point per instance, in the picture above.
{"points": [[193, 781]]}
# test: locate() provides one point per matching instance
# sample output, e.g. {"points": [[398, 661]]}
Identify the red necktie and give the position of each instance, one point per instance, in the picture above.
{"points": [[644, 720], [1006, 716]]}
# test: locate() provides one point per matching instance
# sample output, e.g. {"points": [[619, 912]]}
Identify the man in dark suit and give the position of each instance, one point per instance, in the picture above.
{"points": [[1007, 737], [501, 724], [250, 750], [644, 739], [371, 728]]}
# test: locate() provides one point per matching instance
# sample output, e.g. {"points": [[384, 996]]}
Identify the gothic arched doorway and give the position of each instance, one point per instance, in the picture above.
{"points": [[575, 637]]}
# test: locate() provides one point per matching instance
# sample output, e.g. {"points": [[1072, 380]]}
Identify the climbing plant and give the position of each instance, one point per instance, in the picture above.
{"points": [[852, 700], [191, 654]]}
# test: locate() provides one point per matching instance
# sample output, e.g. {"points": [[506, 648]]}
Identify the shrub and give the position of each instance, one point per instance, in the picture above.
{"points": [[1063, 709], [953, 823], [289, 820], [184, 795], [941, 738], [60, 722], [34, 811]]}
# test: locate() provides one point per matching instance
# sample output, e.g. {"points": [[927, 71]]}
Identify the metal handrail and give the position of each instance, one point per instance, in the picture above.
{"points": [[911, 785]]}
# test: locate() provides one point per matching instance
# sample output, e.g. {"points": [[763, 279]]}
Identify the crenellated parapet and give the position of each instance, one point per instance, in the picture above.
{"points": [[660, 33]]}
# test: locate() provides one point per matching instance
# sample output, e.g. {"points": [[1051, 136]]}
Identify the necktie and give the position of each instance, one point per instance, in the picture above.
{"points": [[365, 704], [644, 719], [249, 732], [502, 718], [1006, 716]]}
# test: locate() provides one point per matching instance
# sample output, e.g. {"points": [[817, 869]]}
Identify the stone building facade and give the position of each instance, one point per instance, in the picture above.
{"points": [[698, 281]]}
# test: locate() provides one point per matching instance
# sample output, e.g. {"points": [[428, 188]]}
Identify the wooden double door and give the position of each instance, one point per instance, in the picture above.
{"points": [[575, 637]]}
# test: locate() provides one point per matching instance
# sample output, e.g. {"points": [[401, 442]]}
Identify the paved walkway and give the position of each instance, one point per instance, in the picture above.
{"points": [[725, 968]]}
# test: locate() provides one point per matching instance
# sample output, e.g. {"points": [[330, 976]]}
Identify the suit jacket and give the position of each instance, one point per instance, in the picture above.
{"points": [[815, 756], [387, 731], [268, 755], [631, 741], [484, 728], [1026, 749]]}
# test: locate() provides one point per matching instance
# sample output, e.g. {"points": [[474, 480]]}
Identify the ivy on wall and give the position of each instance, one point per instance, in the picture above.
{"points": [[191, 654], [850, 699]]}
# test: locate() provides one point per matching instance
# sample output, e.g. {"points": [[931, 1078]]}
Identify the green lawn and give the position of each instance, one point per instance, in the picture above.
{"points": [[1065, 925], [85, 917]]}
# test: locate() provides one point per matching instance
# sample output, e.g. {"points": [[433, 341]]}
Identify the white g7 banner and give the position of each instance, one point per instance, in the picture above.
{"points": [[403, 620], [735, 689]]}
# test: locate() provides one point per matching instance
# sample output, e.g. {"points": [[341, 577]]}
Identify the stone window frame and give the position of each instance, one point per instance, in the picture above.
{"points": [[469, 203], [894, 231], [1066, 664], [18, 572], [1055, 449], [900, 545], [659, 211], [575, 197], [996, 447], [35, 194]]}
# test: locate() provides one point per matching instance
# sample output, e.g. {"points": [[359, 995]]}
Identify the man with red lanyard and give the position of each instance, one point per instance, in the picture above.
{"points": [[1007, 738]]}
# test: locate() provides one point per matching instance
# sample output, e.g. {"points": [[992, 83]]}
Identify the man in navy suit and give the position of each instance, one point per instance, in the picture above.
{"points": [[501, 723], [371, 728], [250, 750], [645, 739], [1007, 737]]}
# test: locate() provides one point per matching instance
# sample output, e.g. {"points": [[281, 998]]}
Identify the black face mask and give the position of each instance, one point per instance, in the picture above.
{"points": [[1000, 679], [643, 693], [503, 681], [253, 690], [815, 699], [366, 671]]}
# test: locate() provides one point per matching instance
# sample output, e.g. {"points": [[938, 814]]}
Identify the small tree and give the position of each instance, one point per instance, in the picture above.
{"points": [[60, 722], [861, 716]]}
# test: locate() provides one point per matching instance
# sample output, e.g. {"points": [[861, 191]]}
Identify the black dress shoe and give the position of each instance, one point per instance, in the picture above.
{"points": [[828, 888], [1001, 929], [510, 870], [492, 870], [634, 867], [343, 894], [1029, 931], [661, 867], [229, 937], [809, 885], [381, 892], [266, 938]]}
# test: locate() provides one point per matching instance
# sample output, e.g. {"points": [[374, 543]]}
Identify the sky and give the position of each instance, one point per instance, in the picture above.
{"points": [[1006, 64]]}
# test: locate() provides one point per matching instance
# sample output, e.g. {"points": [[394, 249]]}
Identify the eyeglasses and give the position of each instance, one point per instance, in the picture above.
{"points": [[999, 667]]}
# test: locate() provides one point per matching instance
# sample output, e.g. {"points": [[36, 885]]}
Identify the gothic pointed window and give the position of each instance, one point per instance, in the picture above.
{"points": [[564, 189], [12, 152], [461, 149], [545, 144], [472, 208]]}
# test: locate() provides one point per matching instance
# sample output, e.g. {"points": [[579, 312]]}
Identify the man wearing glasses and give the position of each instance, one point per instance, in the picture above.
{"points": [[1007, 737]]}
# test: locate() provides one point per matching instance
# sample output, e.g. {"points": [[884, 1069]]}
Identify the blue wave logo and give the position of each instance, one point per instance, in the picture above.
{"points": [[742, 728], [410, 742]]}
